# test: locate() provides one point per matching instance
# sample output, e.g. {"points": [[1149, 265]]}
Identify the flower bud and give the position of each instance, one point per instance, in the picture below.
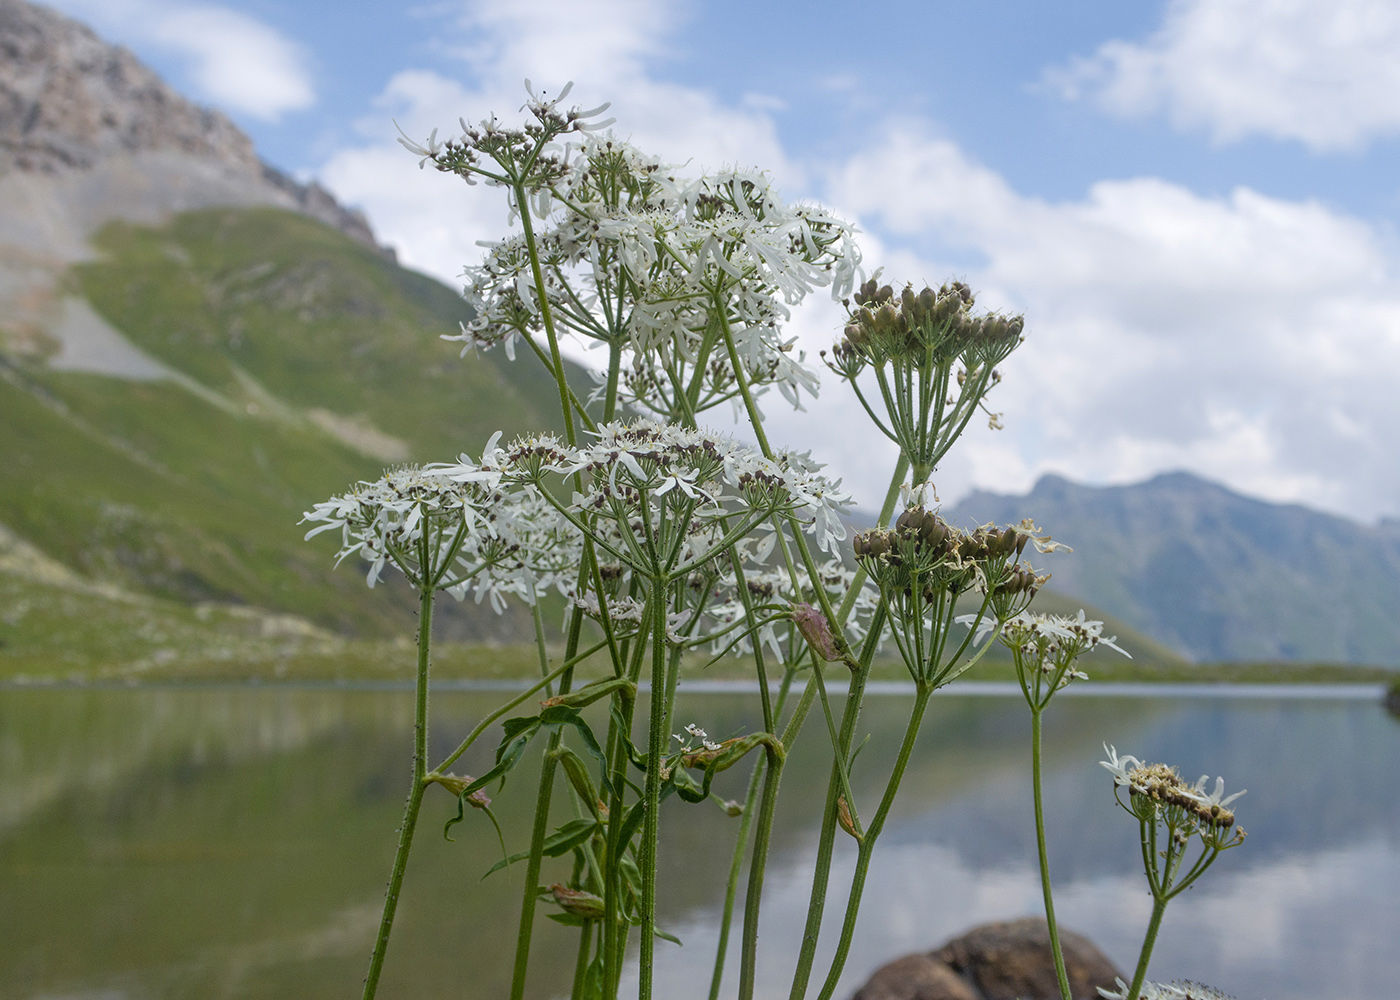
{"points": [[928, 302], [843, 816], [577, 902], [817, 631]]}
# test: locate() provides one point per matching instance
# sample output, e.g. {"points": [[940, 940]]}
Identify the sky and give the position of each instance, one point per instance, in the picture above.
{"points": [[1193, 202]]}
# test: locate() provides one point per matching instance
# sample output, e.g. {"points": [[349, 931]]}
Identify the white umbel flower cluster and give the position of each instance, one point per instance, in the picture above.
{"points": [[455, 528], [1158, 781], [662, 499], [633, 254]]}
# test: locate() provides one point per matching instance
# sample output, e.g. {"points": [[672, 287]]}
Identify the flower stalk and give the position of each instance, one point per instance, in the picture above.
{"points": [[669, 538]]}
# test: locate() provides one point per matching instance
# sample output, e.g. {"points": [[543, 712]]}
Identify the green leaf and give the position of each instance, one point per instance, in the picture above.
{"points": [[556, 717], [577, 773], [504, 863], [569, 836], [593, 981], [590, 693], [507, 754]]}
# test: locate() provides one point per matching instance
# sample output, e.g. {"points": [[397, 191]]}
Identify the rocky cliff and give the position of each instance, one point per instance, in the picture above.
{"points": [[89, 134]]}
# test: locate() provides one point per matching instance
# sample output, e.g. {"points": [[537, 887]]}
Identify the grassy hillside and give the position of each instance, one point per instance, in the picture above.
{"points": [[305, 362]]}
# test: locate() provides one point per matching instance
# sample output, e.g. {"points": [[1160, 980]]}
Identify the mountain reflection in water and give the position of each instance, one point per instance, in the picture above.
{"points": [[229, 842]]}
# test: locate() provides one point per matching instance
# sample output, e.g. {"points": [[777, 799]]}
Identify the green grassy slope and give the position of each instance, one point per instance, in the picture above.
{"points": [[310, 363], [317, 320]]}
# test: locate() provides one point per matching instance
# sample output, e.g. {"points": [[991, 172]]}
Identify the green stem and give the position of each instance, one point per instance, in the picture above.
{"points": [[585, 941], [750, 800], [415, 795], [826, 843], [1159, 907], [543, 799], [546, 313], [391, 898], [754, 894], [656, 747], [735, 866], [1045, 860], [540, 648], [872, 834], [541, 829]]}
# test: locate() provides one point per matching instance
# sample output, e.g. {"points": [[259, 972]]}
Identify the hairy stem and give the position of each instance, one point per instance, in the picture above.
{"points": [[1159, 907], [732, 885], [1060, 973], [651, 820], [415, 795], [543, 799], [872, 834], [754, 894]]}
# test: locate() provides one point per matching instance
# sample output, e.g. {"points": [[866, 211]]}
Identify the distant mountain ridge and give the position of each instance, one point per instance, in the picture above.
{"points": [[1213, 574]]}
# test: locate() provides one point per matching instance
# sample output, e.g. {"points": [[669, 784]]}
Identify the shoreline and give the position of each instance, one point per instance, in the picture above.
{"points": [[1358, 691]]}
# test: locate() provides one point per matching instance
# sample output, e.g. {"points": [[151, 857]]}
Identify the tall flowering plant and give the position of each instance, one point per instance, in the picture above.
{"points": [[668, 537]]}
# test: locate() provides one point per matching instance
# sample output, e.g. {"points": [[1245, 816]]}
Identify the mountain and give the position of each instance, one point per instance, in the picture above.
{"points": [[1215, 575], [195, 348], [89, 134]]}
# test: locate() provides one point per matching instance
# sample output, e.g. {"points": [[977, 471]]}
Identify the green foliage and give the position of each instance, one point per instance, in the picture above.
{"points": [[191, 489]]}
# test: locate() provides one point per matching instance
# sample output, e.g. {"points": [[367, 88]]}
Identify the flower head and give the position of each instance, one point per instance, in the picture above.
{"points": [[635, 255], [1215, 804], [454, 527], [1178, 990], [661, 498]]}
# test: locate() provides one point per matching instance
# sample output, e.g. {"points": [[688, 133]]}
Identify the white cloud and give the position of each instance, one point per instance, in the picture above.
{"points": [[1250, 339], [1247, 338], [435, 221], [1322, 72], [236, 61]]}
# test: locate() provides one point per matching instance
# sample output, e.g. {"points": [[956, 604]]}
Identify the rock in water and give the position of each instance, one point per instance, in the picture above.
{"points": [[916, 977], [1011, 959], [1008, 960]]}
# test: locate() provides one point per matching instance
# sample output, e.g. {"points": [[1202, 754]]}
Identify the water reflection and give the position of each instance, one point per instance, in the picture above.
{"points": [[233, 843]]}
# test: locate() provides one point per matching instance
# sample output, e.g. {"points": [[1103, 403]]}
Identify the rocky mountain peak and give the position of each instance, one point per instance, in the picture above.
{"points": [[68, 99], [70, 103]]}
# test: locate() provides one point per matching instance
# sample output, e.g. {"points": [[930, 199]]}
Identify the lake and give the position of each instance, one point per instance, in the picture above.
{"points": [[202, 842]]}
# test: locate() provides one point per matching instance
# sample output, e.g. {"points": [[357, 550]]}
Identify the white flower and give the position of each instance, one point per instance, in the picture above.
{"points": [[659, 497], [689, 251], [1149, 991], [427, 150], [700, 734], [1214, 799], [1120, 768], [492, 540], [1179, 990]]}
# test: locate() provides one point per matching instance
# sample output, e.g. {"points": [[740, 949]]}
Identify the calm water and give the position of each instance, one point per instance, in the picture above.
{"points": [[233, 843]]}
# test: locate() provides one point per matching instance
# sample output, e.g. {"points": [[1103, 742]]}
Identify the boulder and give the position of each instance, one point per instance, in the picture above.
{"points": [[916, 977], [1007, 960]]}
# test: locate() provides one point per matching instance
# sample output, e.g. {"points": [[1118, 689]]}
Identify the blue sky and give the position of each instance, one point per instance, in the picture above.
{"points": [[1193, 201]]}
